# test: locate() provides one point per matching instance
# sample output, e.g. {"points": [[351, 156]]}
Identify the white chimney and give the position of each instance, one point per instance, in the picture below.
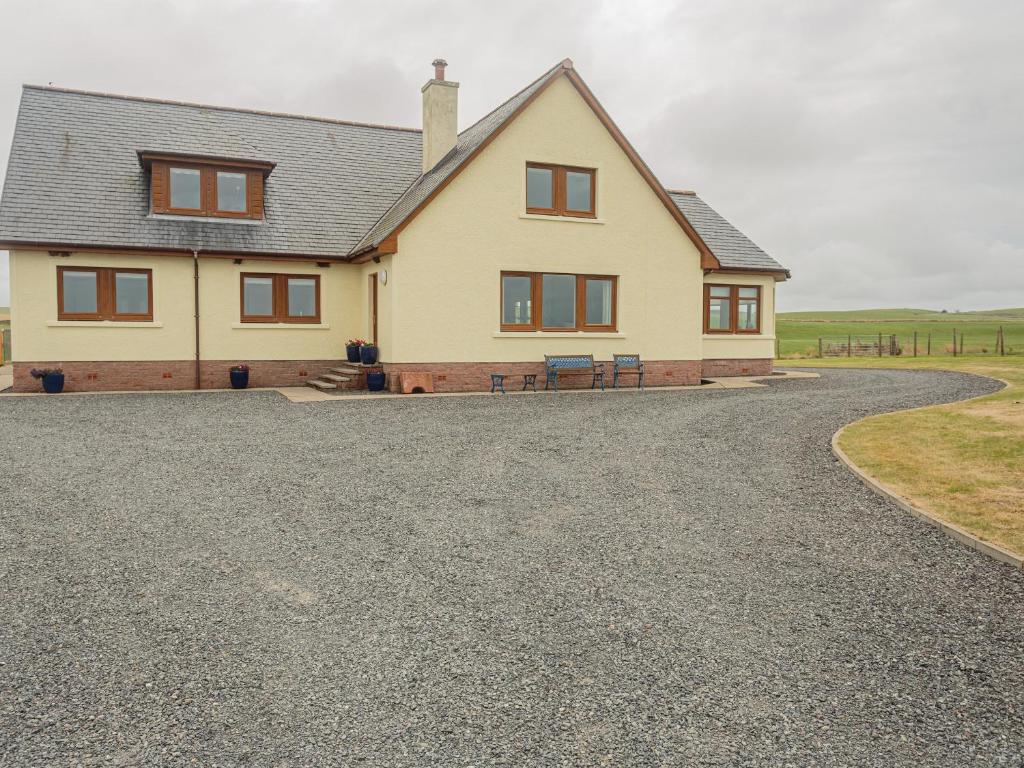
{"points": [[440, 116]]}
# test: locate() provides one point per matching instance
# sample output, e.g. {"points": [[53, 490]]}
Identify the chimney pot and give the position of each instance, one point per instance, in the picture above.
{"points": [[439, 65]]}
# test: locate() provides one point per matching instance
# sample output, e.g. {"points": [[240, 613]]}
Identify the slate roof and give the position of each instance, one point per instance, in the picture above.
{"points": [[732, 248], [338, 188], [74, 176]]}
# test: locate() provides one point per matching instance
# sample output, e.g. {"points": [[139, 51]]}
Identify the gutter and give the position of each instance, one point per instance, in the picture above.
{"points": [[195, 299]]}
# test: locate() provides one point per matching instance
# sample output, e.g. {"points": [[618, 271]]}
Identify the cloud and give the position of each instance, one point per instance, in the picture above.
{"points": [[873, 148]]}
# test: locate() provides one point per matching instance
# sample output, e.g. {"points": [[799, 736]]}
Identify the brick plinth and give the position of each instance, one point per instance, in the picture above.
{"points": [[142, 375], [475, 377], [743, 367]]}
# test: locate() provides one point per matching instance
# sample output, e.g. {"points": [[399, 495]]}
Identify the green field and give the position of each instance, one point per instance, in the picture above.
{"points": [[799, 332]]}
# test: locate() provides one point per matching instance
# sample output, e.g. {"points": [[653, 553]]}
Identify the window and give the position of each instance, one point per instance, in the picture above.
{"points": [[268, 298], [732, 309], [104, 293], [556, 190], [187, 188], [565, 302]]}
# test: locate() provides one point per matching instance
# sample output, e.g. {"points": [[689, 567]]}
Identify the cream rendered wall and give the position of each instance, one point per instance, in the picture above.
{"points": [[453, 252], [225, 337], [719, 346], [386, 300], [38, 336]]}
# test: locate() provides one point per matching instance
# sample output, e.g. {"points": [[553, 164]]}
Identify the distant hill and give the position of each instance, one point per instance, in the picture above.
{"points": [[903, 315]]}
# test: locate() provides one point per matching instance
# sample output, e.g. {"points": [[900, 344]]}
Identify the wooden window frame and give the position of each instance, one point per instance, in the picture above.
{"points": [[106, 295], [537, 306], [734, 308], [558, 191], [160, 196], [279, 299]]}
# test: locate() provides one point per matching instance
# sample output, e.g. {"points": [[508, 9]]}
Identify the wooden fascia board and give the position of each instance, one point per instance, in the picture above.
{"points": [[707, 258], [387, 246], [776, 274], [140, 251], [146, 158]]}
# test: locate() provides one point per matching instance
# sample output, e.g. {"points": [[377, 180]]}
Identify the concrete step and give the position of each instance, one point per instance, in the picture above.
{"points": [[346, 370], [335, 377], [320, 384]]}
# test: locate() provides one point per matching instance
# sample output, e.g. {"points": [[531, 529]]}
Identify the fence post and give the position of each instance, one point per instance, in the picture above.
{"points": [[915, 343], [929, 343], [954, 342], [849, 346], [819, 347], [879, 344], [1002, 341]]}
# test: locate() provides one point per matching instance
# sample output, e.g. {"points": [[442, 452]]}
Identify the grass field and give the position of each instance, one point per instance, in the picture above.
{"points": [[965, 461], [799, 332]]}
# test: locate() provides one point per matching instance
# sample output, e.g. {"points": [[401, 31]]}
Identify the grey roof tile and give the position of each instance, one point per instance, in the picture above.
{"points": [[74, 175], [732, 248]]}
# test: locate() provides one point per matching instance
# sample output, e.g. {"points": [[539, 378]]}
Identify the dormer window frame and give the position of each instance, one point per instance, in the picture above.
{"points": [[161, 168]]}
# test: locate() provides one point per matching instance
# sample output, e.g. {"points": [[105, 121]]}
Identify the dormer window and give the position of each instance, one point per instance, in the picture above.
{"points": [[559, 190], [188, 186]]}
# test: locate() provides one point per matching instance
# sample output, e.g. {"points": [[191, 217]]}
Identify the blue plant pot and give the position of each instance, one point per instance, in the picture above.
{"points": [[53, 383], [368, 354], [375, 381], [352, 352], [239, 379]]}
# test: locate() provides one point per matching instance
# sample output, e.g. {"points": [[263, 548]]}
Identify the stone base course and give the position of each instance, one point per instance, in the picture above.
{"points": [[103, 376], [738, 367]]}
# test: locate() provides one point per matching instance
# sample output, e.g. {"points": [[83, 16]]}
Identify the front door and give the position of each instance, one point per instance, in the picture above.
{"points": [[372, 304]]}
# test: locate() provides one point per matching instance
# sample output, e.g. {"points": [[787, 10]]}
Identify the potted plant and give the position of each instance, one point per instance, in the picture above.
{"points": [[375, 379], [239, 376], [53, 379], [352, 349], [368, 353]]}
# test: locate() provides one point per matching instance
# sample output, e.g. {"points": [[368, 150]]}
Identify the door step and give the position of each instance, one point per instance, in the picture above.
{"points": [[321, 384], [337, 379], [346, 370]]}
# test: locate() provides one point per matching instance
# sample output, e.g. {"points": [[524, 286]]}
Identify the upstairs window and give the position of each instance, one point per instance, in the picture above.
{"points": [[552, 301], [197, 187], [558, 190], [732, 309], [270, 298], [104, 293]]}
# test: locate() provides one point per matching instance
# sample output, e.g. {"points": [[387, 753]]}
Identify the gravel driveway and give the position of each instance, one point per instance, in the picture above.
{"points": [[677, 578]]}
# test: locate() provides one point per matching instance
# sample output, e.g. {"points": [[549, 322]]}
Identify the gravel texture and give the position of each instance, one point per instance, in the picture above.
{"points": [[673, 578]]}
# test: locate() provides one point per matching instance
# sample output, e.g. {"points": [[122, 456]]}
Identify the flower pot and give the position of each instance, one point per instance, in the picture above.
{"points": [[53, 383], [239, 379], [352, 352], [368, 354], [375, 381]]}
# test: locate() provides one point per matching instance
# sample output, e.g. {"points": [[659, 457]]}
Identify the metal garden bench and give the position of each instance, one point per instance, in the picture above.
{"points": [[627, 364], [572, 365]]}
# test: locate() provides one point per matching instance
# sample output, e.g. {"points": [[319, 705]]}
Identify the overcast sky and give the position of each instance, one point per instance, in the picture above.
{"points": [[874, 148]]}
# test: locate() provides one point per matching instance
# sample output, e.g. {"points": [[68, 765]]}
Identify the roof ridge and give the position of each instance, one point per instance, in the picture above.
{"points": [[563, 64], [198, 105]]}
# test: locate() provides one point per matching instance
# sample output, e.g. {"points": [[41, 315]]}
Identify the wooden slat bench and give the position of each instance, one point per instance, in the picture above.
{"points": [[572, 365], [627, 364]]}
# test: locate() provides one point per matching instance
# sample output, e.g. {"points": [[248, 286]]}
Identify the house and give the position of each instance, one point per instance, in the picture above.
{"points": [[154, 244]]}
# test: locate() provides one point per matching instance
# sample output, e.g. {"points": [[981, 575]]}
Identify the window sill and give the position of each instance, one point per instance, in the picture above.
{"points": [[574, 219], [206, 219], [282, 326], [558, 335], [739, 336], [104, 324]]}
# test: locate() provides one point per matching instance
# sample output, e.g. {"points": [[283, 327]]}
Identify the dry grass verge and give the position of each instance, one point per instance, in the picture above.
{"points": [[963, 461]]}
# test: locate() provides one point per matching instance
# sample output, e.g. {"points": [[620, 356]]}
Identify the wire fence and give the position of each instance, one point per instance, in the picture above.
{"points": [[918, 344]]}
